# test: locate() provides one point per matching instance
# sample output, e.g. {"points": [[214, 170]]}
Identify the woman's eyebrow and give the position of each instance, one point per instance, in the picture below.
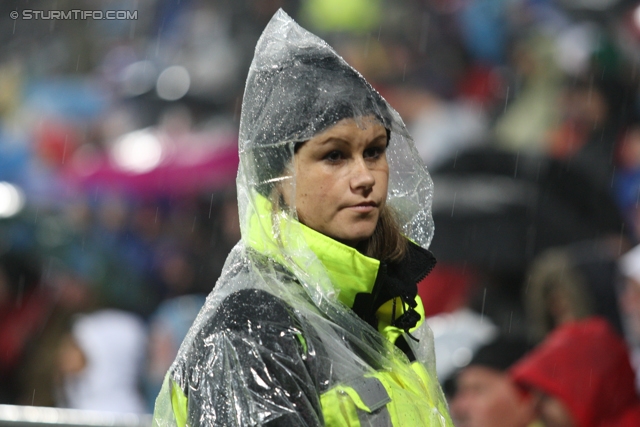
{"points": [[382, 135], [330, 139], [343, 140]]}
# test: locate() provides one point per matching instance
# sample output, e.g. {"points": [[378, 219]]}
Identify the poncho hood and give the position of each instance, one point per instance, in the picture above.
{"points": [[297, 87]]}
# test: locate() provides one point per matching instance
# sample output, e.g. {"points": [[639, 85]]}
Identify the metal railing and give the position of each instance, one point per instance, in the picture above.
{"points": [[36, 416]]}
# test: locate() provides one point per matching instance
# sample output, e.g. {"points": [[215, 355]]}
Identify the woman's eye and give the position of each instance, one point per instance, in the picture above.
{"points": [[333, 156], [373, 153]]}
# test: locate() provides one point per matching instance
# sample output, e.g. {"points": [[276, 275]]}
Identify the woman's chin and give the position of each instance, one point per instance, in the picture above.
{"points": [[353, 237]]}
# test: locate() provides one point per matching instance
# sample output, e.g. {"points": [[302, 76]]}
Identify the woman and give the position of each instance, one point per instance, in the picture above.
{"points": [[315, 319]]}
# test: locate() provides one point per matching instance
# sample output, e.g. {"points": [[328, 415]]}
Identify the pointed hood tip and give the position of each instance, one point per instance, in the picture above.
{"points": [[281, 14], [279, 19]]}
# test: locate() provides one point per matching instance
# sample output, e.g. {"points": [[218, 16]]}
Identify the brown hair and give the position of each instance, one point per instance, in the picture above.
{"points": [[387, 243]]}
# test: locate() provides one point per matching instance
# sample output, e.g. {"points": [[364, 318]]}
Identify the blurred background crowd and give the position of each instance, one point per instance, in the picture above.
{"points": [[118, 154]]}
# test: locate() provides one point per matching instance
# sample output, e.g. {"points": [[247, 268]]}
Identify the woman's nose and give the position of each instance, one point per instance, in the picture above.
{"points": [[361, 176]]}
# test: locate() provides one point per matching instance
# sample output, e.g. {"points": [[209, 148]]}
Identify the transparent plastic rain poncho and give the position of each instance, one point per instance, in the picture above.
{"points": [[274, 345]]}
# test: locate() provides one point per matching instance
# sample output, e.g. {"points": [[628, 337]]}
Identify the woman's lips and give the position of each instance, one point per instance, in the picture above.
{"points": [[364, 207]]}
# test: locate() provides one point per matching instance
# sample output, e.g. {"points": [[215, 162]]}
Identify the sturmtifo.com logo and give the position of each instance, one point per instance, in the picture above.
{"points": [[74, 14]]}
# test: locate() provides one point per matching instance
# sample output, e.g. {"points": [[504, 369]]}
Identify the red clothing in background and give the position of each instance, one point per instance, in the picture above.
{"points": [[585, 365]]}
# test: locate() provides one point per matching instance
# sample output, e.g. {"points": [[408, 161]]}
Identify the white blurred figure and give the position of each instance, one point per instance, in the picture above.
{"points": [[457, 336], [101, 363]]}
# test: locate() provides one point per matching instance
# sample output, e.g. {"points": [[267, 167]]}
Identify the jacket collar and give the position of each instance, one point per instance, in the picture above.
{"points": [[356, 278], [349, 271]]}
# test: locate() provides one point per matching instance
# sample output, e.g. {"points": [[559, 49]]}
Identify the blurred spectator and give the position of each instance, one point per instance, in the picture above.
{"points": [[582, 377], [627, 178], [571, 283], [100, 363], [24, 307], [40, 376], [583, 109], [458, 331], [176, 271], [167, 328], [485, 394], [629, 298], [533, 105], [86, 361], [446, 289]]}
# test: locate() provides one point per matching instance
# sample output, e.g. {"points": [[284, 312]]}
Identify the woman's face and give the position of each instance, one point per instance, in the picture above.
{"points": [[341, 180]]}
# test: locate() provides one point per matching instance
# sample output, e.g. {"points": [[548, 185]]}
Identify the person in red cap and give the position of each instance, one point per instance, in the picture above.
{"points": [[582, 377]]}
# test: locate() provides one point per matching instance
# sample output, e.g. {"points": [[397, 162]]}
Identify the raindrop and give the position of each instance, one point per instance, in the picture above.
{"points": [[506, 99], [14, 27], [64, 149], [515, 172], [613, 177], [621, 239], [404, 71], [78, 63], [484, 299], [193, 226], [453, 205], [379, 29], [210, 205], [47, 272], [157, 209], [510, 321]]}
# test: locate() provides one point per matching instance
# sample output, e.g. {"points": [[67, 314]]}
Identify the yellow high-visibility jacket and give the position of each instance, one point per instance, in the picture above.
{"points": [[301, 330]]}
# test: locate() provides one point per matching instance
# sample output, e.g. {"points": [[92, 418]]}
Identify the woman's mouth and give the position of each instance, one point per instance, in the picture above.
{"points": [[364, 207]]}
